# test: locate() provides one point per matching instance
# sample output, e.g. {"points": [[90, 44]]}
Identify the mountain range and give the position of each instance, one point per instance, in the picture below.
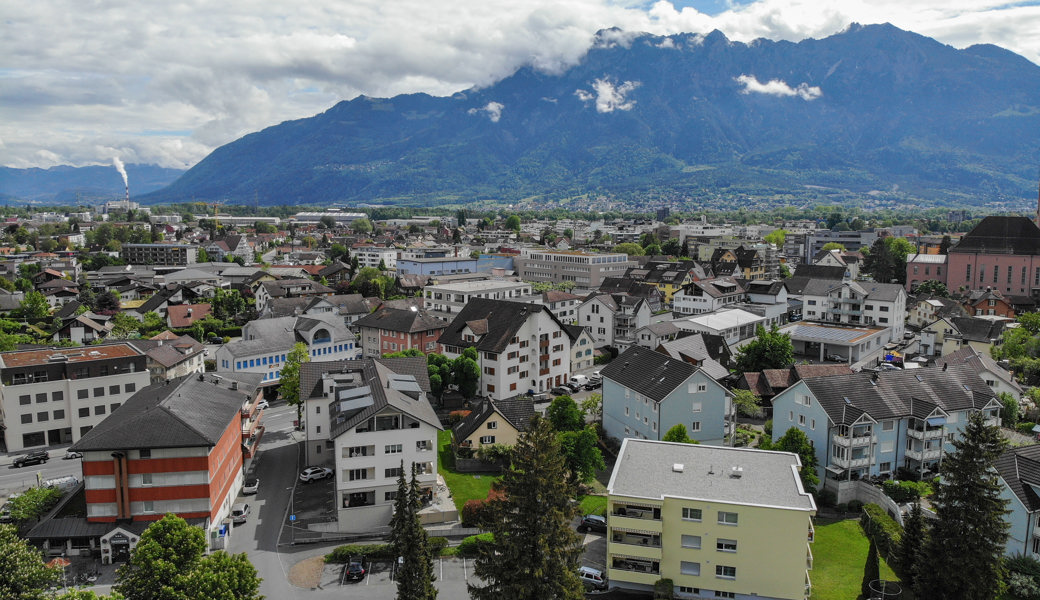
{"points": [[73, 186], [871, 108]]}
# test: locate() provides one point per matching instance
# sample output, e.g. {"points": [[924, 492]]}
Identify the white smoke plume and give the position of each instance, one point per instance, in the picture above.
{"points": [[122, 170]]}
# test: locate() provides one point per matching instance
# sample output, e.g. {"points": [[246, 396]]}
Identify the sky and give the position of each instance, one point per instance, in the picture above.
{"points": [[166, 82]]}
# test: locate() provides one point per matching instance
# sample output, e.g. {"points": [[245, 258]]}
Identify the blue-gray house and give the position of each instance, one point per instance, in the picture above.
{"points": [[872, 424], [646, 393], [1019, 472]]}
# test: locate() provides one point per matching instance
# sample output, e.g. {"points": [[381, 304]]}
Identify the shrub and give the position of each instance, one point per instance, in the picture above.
{"points": [[473, 512], [664, 589], [1026, 428], [343, 554], [493, 453], [826, 497], [438, 544], [905, 491], [881, 528], [768, 427], [855, 506], [468, 546]]}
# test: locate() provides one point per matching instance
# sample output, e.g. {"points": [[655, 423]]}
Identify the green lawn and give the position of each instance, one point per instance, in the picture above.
{"points": [[839, 554], [463, 486], [593, 505]]}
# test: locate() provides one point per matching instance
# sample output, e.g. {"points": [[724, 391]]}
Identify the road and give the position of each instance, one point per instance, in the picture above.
{"points": [[14, 481]]}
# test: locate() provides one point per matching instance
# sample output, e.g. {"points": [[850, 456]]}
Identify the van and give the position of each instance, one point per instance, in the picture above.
{"points": [[592, 578], [577, 382]]}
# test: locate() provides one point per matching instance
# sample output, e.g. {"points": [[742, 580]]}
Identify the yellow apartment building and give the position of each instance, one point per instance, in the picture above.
{"points": [[719, 522]]}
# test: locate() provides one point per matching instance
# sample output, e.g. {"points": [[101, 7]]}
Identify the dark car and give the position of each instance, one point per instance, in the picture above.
{"points": [[32, 458], [594, 384], [561, 390], [593, 523], [355, 569]]}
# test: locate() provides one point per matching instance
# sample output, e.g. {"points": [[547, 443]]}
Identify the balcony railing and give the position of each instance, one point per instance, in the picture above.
{"points": [[851, 463], [636, 565], [859, 440], [808, 557], [925, 434], [636, 539], [920, 455], [637, 512]]}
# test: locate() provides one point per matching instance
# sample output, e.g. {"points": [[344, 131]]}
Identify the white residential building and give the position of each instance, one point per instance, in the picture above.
{"points": [[445, 300], [371, 256], [614, 319], [706, 296], [856, 303]]}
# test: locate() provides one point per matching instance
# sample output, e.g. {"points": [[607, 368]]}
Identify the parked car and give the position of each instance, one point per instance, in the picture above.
{"points": [[315, 473], [593, 523], [263, 405], [356, 569], [592, 578], [887, 367], [239, 513], [836, 357], [5, 511], [69, 455], [909, 335], [31, 458], [578, 380], [250, 486], [561, 390], [593, 384], [215, 340]]}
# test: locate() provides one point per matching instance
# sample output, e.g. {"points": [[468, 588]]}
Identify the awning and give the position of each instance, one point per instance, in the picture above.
{"points": [[635, 558], [936, 421], [626, 504], [835, 470]]}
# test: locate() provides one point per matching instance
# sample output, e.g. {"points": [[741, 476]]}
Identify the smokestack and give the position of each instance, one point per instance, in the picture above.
{"points": [[122, 171]]}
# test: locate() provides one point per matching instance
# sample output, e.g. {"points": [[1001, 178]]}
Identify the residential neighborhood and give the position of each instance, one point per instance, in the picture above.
{"points": [[715, 409]]}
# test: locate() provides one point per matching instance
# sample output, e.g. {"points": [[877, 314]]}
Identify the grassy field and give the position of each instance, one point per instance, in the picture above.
{"points": [[593, 505], [839, 554], [463, 486]]}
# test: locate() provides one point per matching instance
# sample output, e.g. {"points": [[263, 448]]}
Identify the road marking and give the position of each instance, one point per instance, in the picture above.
{"points": [[440, 561], [464, 575]]}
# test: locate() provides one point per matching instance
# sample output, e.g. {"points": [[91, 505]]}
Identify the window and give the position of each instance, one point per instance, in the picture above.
{"points": [[685, 589], [41, 398], [724, 572], [113, 390], [59, 414], [690, 568], [112, 408], [26, 419], [725, 594], [356, 474], [726, 545], [392, 449], [885, 467], [888, 425], [99, 410], [695, 427], [98, 392], [698, 406], [149, 506], [691, 541], [146, 453], [889, 446], [691, 514], [146, 479], [487, 439], [57, 396], [84, 412], [492, 424], [27, 399], [727, 518], [390, 496], [43, 416], [702, 387], [393, 472], [801, 419]]}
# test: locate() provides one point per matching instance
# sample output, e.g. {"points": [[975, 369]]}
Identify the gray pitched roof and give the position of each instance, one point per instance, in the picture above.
{"points": [[518, 410], [504, 319], [184, 412], [1020, 469], [1001, 235], [401, 320], [895, 394], [652, 374]]}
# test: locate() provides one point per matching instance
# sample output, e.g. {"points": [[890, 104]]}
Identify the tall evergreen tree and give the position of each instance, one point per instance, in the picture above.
{"points": [[399, 520], [910, 545], [411, 544], [534, 552], [961, 557]]}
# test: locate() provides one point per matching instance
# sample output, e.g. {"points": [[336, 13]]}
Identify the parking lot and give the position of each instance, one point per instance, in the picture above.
{"points": [[452, 576]]}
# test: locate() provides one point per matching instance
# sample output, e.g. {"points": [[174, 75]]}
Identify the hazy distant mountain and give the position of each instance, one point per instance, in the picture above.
{"points": [[870, 108], [81, 185]]}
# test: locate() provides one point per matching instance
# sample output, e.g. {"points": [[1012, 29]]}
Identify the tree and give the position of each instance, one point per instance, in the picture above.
{"points": [[962, 553], [581, 453], [513, 223], [124, 326], [362, 226], [289, 383], [777, 237], [466, 372], [203, 256], [534, 551], [785, 272], [678, 434], [833, 246], [795, 441], [34, 306], [769, 350], [630, 249], [107, 302], [684, 250], [327, 222], [34, 503], [222, 576], [410, 542], [593, 405], [564, 414], [932, 287], [168, 549], [910, 545], [227, 304], [23, 574], [747, 403], [1009, 413], [944, 245], [460, 217]]}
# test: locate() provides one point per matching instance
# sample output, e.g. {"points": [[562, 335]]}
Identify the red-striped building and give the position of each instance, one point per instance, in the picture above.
{"points": [[176, 447]]}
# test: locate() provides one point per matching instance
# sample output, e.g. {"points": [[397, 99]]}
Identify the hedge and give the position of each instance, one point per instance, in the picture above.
{"points": [[468, 546], [343, 554], [882, 529], [905, 491]]}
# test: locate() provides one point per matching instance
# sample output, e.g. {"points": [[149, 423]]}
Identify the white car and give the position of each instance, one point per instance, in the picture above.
{"points": [[250, 486], [262, 405], [315, 473], [239, 513]]}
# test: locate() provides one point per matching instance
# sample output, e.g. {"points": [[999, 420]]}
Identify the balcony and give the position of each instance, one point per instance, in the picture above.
{"points": [[855, 441], [846, 311], [812, 533], [636, 565], [641, 512], [636, 538], [925, 434], [808, 557], [993, 422], [922, 455], [851, 463], [544, 371]]}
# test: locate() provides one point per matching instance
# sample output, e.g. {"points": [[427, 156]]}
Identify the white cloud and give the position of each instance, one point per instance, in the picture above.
{"points": [[607, 96], [777, 87], [166, 82], [492, 109]]}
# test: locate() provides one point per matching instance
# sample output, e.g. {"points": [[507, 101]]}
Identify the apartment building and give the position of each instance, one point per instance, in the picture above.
{"points": [[55, 396], [585, 270], [266, 343], [396, 329], [583, 352], [365, 418], [646, 393], [445, 300], [175, 447], [1018, 471], [950, 334], [373, 256], [562, 304], [851, 240], [718, 522], [709, 295], [166, 255], [872, 424], [857, 303], [520, 346], [613, 319], [288, 288]]}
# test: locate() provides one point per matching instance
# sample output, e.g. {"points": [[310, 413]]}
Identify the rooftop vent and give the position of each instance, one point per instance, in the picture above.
{"points": [[736, 472], [57, 358], [677, 468]]}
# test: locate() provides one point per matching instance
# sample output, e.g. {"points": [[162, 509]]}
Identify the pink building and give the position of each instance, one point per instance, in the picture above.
{"points": [[1001, 253]]}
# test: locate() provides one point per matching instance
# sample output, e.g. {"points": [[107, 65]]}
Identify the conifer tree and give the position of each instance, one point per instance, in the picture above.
{"points": [[961, 557], [410, 542], [910, 545], [534, 552]]}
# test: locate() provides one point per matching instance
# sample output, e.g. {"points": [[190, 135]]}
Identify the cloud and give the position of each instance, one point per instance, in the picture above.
{"points": [[169, 87], [607, 96], [492, 109], [776, 87]]}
